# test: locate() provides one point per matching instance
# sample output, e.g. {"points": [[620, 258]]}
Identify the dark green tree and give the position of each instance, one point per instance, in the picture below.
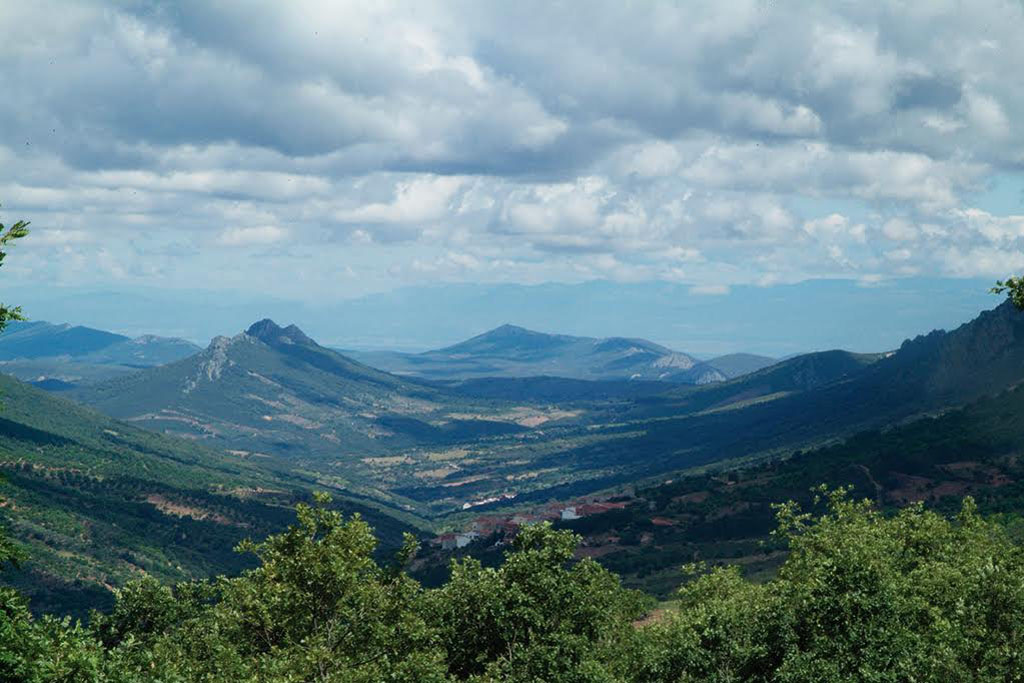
{"points": [[539, 617], [862, 597], [318, 608]]}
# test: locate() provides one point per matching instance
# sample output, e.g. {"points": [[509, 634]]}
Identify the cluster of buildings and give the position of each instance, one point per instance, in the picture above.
{"points": [[490, 525]]}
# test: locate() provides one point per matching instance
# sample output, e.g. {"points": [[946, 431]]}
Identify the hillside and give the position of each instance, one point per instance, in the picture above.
{"points": [[727, 516], [292, 414], [62, 356], [96, 501], [735, 365], [511, 351], [940, 418], [268, 384], [816, 398]]}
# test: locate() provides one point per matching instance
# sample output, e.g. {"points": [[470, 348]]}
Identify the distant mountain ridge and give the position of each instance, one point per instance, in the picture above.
{"points": [[55, 355], [515, 352], [436, 446], [43, 339]]}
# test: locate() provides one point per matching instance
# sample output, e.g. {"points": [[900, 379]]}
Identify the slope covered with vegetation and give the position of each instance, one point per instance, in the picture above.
{"points": [[726, 515], [97, 502]]}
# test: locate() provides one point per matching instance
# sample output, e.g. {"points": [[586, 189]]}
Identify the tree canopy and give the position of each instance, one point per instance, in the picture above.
{"points": [[863, 596]]}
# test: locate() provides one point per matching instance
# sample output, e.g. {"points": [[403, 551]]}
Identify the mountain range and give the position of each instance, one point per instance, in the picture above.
{"points": [[61, 356], [270, 409], [775, 320], [274, 394], [433, 447], [512, 351]]}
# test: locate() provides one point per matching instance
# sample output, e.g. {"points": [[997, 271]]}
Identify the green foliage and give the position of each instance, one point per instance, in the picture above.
{"points": [[319, 607], [1013, 287], [8, 236], [862, 597], [48, 650], [536, 618]]}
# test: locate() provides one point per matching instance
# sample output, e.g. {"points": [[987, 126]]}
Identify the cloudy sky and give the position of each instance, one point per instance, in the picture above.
{"points": [[323, 150]]}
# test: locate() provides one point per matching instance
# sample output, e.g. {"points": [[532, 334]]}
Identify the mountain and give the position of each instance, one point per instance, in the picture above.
{"points": [[58, 357], [698, 468], [96, 502], [721, 369], [511, 351], [816, 398], [291, 414], [265, 381], [42, 339], [145, 351], [801, 403], [793, 376], [275, 394]]}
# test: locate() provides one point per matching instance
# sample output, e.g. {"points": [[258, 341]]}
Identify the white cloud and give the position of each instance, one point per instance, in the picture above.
{"points": [[899, 255], [899, 229], [52, 238], [742, 142], [416, 200], [993, 229], [988, 261], [245, 237]]}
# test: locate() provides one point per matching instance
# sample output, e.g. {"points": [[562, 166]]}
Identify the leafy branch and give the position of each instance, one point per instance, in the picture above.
{"points": [[1014, 289], [9, 235]]}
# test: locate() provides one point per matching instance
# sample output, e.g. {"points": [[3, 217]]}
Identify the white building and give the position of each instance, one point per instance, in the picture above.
{"points": [[569, 514]]}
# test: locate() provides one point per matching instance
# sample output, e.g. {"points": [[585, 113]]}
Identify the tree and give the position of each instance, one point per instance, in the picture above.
{"points": [[862, 597], [538, 617], [1014, 289], [317, 608], [8, 236]]}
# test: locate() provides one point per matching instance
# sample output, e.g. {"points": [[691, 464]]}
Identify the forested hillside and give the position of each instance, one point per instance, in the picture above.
{"points": [[97, 502]]}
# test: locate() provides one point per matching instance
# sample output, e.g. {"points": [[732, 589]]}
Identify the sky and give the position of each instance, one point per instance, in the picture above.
{"points": [[317, 152]]}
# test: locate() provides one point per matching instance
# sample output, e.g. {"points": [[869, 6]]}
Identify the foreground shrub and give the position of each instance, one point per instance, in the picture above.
{"points": [[861, 597]]}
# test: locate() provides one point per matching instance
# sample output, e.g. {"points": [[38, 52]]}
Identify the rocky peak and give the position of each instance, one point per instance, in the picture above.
{"points": [[265, 330], [269, 332]]}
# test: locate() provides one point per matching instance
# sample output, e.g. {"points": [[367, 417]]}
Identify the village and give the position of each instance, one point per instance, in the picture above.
{"points": [[506, 527]]}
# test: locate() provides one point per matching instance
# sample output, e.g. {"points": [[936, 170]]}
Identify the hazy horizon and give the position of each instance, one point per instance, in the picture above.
{"points": [[777, 320]]}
